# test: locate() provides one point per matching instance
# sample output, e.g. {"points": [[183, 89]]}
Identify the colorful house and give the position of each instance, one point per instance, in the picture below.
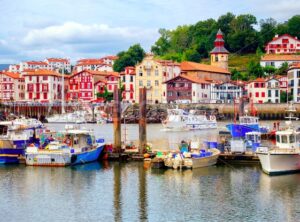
{"points": [[257, 90], [277, 60], [11, 86], [284, 44], [294, 82], [128, 80]]}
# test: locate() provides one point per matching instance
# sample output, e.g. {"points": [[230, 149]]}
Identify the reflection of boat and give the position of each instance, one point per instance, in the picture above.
{"points": [[285, 156], [70, 147], [179, 119], [15, 136], [195, 158], [88, 167]]}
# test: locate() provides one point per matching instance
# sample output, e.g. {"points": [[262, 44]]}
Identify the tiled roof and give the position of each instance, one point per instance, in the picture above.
{"points": [[278, 57], [190, 78], [281, 36], [57, 60], [257, 80], [43, 72], [193, 66], [167, 62], [295, 66], [98, 73], [37, 63], [12, 74]]}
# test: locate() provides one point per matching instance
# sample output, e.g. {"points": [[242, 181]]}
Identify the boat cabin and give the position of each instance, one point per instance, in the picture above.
{"points": [[78, 139], [287, 139], [248, 120]]}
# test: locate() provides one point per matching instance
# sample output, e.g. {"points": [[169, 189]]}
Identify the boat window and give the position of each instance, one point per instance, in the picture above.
{"points": [[292, 138], [283, 139], [278, 138]]}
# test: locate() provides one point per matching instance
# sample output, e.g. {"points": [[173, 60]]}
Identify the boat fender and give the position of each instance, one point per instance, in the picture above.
{"points": [[212, 118]]}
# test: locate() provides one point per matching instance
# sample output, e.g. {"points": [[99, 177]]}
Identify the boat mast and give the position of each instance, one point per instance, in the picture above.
{"points": [[63, 92]]}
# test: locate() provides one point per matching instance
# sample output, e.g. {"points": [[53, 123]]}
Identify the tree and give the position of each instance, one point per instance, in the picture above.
{"points": [[107, 96], [131, 57], [268, 28], [270, 70], [162, 45], [191, 55], [282, 70], [293, 26], [254, 69], [237, 75]]}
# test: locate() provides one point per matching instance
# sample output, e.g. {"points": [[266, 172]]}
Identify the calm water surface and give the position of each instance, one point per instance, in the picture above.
{"points": [[134, 192]]}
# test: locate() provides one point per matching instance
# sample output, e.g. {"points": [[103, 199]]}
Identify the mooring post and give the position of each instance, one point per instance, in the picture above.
{"points": [[241, 106], [142, 121], [117, 121]]}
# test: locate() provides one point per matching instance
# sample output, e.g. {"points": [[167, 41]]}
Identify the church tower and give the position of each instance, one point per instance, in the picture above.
{"points": [[219, 55]]}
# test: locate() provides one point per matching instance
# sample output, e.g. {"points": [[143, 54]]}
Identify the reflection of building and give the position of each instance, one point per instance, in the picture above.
{"points": [[294, 82], [151, 73], [11, 86], [284, 44]]}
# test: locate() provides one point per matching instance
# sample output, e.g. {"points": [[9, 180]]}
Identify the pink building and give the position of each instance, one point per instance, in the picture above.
{"points": [[11, 86], [84, 85], [284, 44], [43, 85], [128, 80]]}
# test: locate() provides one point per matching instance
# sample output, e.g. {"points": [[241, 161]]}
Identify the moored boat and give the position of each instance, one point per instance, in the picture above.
{"points": [[284, 157], [70, 147]]}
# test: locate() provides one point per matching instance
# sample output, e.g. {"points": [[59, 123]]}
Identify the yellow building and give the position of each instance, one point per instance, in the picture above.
{"points": [[152, 73]]}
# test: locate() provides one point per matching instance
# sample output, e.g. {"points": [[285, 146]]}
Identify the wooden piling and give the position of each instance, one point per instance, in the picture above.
{"points": [[117, 121], [142, 121], [241, 106]]}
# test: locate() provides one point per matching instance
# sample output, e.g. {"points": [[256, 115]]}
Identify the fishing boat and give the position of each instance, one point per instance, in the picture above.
{"points": [[74, 117], [70, 147], [284, 157], [193, 158], [180, 120], [15, 135]]}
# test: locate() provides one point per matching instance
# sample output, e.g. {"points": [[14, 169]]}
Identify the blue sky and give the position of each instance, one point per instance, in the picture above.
{"points": [[36, 29]]}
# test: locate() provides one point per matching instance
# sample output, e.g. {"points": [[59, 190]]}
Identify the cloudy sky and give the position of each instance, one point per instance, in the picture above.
{"points": [[36, 29]]}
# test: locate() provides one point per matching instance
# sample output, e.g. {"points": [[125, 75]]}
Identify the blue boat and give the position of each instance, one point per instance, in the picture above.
{"points": [[15, 136], [70, 147], [246, 124]]}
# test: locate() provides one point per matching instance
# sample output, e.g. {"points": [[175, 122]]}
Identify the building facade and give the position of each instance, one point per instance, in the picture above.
{"points": [[294, 82], [273, 90], [128, 80], [277, 60], [284, 44], [257, 91], [152, 73], [59, 65], [226, 92], [219, 54], [33, 65], [43, 85], [12, 86]]}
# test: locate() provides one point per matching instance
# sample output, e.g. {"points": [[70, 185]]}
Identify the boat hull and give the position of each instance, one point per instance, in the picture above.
{"points": [[11, 155], [238, 130], [88, 156], [276, 163], [206, 161], [48, 159]]}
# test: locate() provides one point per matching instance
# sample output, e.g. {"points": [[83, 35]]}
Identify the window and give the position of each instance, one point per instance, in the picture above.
{"points": [[156, 72], [148, 83], [141, 83], [263, 94], [170, 93], [131, 78], [156, 83], [283, 139], [256, 94], [123, 79], [148, 72], [292, 138], [276, 93], [269, 93], [298, 74], [140, 73]]}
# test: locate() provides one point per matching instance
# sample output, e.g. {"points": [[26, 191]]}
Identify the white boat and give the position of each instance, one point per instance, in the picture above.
{"points": [[285, 156], [70, 147], [195, 158], [179, 120], [75, 117]]}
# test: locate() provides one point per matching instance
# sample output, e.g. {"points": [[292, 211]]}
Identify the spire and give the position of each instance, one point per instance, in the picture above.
{"points": [[219, 44]]}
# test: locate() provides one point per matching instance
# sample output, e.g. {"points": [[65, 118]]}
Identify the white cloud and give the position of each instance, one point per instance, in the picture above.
{"points": [[76, 33]]}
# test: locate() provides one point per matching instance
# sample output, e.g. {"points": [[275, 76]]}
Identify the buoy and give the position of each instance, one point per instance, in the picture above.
{"points": [[146, 155]]}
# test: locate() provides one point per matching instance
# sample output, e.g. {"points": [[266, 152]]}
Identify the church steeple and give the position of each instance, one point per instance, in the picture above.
{"points": [[219, 54]]}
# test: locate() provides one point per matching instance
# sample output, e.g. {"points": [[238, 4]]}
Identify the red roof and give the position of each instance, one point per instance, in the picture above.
{"points": [[193, 66], [190, 78], [43, 72], [12, 75], [57, 60], [37, 63], [284, 35], [278, 57], [99, 73], [111, 57]]}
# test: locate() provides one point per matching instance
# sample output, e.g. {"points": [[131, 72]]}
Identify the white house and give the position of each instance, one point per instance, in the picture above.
{"points": [[226, 91], [273, 90], [294, 82], [284, 44], [58, 64], [277, 60]]}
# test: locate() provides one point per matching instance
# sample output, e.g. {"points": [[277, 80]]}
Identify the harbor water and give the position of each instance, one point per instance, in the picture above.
{"points": [[112, 191]]}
